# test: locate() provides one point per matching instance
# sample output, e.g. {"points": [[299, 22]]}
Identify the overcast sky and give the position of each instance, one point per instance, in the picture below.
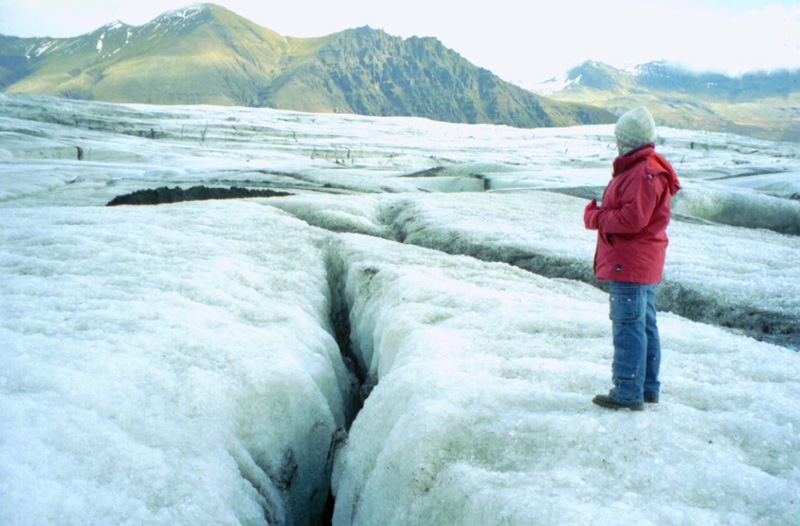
{"points": [[523, 41]]}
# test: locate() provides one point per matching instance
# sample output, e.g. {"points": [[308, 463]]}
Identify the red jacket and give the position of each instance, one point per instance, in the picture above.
{"points": [[631, 224]]}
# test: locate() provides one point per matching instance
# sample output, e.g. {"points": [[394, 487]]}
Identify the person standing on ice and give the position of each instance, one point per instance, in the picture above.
{"points": [[631, 228]]}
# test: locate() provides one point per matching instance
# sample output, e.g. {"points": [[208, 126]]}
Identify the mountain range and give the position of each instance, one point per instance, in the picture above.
{"points": [[761, 104], [205, 54]]}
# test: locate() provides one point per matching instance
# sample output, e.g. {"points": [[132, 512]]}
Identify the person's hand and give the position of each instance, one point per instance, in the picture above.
{"points": [[590, 215]]}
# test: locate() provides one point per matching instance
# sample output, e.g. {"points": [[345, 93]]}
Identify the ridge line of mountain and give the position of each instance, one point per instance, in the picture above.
{"points": [[205, 54]]}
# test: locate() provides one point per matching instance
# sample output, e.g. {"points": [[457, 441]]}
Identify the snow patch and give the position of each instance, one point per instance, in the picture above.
{"points": [[180, 15], [553, 85], [189, 11], [43, 48], [556, 84]]}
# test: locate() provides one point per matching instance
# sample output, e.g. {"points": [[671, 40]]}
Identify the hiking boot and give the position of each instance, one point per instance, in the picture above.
{"points": [[609, 403], [650, 398]]}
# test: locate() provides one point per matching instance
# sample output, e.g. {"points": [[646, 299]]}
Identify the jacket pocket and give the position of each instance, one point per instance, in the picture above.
{"points": [[624, 306]]}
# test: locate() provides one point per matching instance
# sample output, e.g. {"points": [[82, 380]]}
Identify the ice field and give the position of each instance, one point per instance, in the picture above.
{"points": [[206, 363]]}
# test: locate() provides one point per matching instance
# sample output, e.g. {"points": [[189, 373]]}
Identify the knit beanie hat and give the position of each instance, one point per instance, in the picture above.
{"points": [[634, 129]]}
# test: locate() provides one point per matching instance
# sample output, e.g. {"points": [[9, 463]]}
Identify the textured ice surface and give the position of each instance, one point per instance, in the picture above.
{"points": [[164, 366], [739, 277], [177, 364], [481, 415], [740, 208], [782, 184]]}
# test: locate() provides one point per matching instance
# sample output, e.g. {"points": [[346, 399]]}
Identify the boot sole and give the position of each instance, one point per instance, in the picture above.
{"points": [[616, 405]]}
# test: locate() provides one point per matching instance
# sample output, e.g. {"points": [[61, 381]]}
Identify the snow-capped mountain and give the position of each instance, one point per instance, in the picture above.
{"points": [[667, 77], [763, 104], [205, 54]]}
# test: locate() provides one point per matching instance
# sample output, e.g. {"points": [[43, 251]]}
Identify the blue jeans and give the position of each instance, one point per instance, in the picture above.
{"points": [[637, 348]]}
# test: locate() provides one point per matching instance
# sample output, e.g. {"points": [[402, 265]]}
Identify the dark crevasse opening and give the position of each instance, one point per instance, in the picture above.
{"points": [[398, 218], [288, 495], [672, 295], [771, 326], [340, 322], [361, 382]]}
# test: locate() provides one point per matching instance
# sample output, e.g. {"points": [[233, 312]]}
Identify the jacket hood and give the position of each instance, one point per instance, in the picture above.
{"points": [[656, 164]]}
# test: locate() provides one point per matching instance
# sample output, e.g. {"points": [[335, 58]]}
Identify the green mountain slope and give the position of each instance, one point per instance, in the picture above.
{"points": [[202, 54], [205, 54]]}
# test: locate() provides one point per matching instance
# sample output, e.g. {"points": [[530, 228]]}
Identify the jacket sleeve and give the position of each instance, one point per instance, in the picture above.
{"points": [[635, 208]]}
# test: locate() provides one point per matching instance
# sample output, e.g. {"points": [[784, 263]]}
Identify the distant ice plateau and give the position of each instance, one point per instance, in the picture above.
{"points": [[413, 337]]}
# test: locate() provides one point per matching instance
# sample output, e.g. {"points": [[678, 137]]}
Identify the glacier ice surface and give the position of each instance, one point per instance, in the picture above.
{"points": [[178, 365]]}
